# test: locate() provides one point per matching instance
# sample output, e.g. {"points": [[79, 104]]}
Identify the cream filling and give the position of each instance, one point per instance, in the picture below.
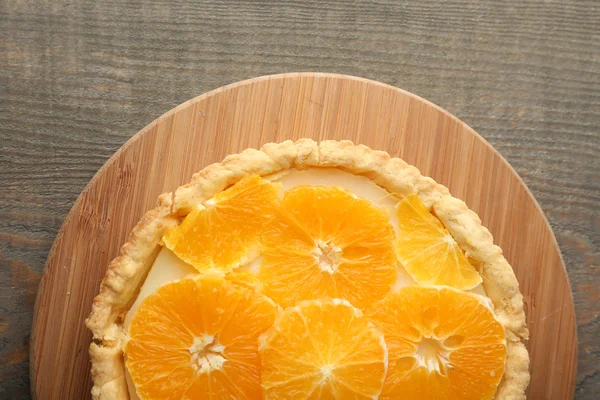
{"points": [[168, 267]]}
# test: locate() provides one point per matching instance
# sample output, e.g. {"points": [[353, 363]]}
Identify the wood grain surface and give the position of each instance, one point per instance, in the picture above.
{"points": [[165, 154], [78, 78]]}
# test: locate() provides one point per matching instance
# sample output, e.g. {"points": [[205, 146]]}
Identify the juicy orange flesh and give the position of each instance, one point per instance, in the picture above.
{"points": [[443, 344], [225, 234], [166, 361], [427, 251], [322, 349], [325, 242], [198, 338]]}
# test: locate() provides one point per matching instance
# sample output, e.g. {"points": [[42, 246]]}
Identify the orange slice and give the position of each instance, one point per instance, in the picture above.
{"points": [[198, 339], [443, 344], [245, 278], [427, 251], [225, 233], [323, 349], [326, 242]]}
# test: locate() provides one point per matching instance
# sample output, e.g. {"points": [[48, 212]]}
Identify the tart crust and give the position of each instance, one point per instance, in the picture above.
{"points": [[127, 272]]}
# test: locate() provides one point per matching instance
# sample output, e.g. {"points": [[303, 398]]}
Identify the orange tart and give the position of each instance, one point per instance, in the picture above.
{"points": [[309, 271]]}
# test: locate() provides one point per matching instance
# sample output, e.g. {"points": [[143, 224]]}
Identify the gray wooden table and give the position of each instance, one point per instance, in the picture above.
{"points": [[78, 78]]}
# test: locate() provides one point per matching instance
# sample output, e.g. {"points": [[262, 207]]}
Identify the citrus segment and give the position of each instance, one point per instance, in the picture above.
{"points": [[326, 242], [323, 349], [226, 231], [198, 338], [427, 251], [443, 344], [244, 278]]}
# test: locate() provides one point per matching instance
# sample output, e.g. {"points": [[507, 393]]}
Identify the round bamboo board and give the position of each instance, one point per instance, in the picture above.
{"points": [[166, 153]]}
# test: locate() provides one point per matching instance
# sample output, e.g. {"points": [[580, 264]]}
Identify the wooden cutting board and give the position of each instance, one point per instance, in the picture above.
{"points": [[204, 130]]}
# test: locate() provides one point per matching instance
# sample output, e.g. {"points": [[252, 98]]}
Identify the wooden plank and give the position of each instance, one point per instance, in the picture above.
{"points": [[77, 79], [322, 106]]}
